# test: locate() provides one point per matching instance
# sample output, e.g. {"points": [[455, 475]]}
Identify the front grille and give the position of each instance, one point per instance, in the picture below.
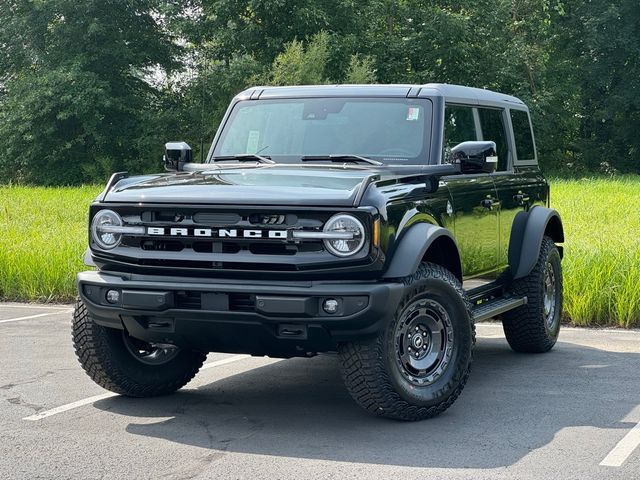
{"points": [[210, 238]]}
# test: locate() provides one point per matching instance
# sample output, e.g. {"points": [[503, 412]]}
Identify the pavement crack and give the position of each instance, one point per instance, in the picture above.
{"points": [[48, 373], [19, 401]]}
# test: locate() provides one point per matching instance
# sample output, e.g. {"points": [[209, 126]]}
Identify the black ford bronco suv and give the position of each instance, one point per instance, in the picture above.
{"points": [[379, 222]]}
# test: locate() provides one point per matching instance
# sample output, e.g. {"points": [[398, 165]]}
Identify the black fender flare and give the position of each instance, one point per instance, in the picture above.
{"points": [[415, 243], [527, 232]]}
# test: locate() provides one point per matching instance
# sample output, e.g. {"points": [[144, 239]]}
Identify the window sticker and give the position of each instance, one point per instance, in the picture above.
{"points": [[253, 141], [413, 114]]}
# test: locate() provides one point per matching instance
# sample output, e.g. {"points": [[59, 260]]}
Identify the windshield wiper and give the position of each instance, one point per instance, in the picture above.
{"points": [[243, 157], [340, 158]]}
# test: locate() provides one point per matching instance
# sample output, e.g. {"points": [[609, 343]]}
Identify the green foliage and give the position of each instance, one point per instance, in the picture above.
{"points": [[87, 88], [606, 54], [75, 95], [298, 65], [308, 65], [361, 70]]}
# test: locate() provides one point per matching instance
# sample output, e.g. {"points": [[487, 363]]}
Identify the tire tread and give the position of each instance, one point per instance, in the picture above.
{"points": [[364, 372], [524, 327], [92, 349]]}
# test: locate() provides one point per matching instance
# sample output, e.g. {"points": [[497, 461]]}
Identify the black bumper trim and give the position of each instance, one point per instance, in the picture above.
{"points": [[364, 309]]}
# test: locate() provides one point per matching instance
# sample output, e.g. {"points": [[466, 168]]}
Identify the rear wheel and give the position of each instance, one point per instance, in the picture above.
{"points": [[416, 367], [128, 366], [534, 327]]}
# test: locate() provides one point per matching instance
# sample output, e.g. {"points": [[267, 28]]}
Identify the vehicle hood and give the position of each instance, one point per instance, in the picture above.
{"points": [[246, 185]]}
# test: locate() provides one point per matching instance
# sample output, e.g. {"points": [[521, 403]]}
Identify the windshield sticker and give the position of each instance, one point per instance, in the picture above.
{"points": [[252, 141], [413, 114]]}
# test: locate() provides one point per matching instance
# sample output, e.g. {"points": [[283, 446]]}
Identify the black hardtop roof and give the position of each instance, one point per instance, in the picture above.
{"points": [[451, 93]]}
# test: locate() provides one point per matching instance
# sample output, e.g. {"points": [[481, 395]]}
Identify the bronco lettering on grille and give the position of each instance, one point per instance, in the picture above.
{"points": [[219, 233]]}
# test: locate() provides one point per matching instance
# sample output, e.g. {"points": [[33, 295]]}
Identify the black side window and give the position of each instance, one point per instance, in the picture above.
{"points": [[522, 135], [493, 129], [459, 127]]}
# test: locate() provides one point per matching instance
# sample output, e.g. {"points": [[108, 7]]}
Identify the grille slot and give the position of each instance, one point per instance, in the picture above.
{"points": [[272, 219], [272, 249], [212, 218], [238, 302], [242, 302], [162, 245], [189, 300], [215, 247]]}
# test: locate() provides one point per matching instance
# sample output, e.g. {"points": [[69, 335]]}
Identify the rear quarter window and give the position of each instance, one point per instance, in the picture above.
{"points": [[522, 135]]}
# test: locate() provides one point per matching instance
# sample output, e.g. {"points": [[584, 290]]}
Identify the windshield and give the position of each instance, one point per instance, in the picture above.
{"points": [[390, 130]]}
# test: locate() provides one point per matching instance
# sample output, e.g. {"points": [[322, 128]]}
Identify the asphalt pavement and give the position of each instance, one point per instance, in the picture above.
{"points": [[571, 413]]}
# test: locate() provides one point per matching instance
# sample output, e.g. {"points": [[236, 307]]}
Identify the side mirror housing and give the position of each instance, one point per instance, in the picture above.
{"points": [[475, 157], [176, 154]]}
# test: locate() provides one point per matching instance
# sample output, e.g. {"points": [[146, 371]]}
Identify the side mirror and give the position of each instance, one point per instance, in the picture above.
{"points": [[475, 157], [176, 154]]}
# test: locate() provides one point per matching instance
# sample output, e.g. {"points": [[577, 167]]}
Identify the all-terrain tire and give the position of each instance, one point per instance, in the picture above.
{"points": [[375, 378], [107, 360], [529, 329]]}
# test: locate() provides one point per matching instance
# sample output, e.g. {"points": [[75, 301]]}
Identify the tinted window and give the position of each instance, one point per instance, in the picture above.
{"points": [[522, 135], [392, 130], [493, 129], [459, 126]]}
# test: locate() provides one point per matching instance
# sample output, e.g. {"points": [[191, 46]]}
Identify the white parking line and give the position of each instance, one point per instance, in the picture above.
{"points": [[224, 361], [69, 406], [95, 398], [623, 449], [28, 317], [31, 306]]}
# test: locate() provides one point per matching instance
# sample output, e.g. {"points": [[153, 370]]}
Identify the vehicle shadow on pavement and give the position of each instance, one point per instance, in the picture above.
{"points": [[513, 404]]}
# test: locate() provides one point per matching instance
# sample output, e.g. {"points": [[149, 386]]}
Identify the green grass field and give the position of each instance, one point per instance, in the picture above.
{"points": [[602, 252], [43, 234]]}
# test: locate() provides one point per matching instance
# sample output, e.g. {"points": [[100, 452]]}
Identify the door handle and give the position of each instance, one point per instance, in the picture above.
{"points": [[487, 203], [521, 198]]}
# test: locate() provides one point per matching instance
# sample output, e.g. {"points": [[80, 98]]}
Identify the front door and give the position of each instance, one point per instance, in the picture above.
{"points": [[475, 206]]}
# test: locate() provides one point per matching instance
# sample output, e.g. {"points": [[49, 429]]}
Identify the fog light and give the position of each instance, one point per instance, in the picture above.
{"points": [[330, 305], [113, 296]]}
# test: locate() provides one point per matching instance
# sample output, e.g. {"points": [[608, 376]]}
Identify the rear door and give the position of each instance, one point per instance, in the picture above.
{"points": [[517, 179]]}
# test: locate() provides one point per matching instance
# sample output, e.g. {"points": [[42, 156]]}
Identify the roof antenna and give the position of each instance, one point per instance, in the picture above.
{"points": [[204, 92]]}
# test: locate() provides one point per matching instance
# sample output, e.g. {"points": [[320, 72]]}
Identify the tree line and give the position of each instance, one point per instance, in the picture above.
{"points": [[94, 86]]}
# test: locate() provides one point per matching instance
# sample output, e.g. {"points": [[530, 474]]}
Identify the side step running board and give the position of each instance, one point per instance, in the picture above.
{"points": [[495, 307]]}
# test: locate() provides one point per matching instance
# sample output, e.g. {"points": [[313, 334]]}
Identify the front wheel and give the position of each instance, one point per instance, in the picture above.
{"points": [[128, 366], [419, 364]]}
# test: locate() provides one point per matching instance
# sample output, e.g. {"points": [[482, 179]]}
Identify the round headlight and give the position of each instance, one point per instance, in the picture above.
{"points": [[350, 244], [100, 229]]}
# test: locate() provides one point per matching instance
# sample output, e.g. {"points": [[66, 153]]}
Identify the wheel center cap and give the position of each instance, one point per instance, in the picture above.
{"points": [[417, 341]]}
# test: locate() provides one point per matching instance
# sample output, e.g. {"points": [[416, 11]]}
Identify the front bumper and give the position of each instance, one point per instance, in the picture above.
{"points": [[261, 318]]}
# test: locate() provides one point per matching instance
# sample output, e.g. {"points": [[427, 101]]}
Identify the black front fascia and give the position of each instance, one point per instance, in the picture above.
{"points": [[239, 257]]}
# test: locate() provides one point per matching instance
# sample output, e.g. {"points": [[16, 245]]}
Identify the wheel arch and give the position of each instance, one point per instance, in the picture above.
{"points": [[527, 232], [424, 242]]}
